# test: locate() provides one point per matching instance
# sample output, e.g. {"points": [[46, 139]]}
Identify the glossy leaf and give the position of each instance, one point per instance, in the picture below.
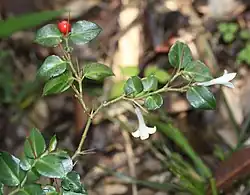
{"points": [[50, 190], [26, 163], [197, 71], [48, 36], [153, 102], [52, 143], [72, 183], [84, 31], [53, 166], [179, 55], [58, 84], [96, 71], [32, 189], [150, 83], [200, 97], [67, 162], [26, 21], [34, 145], [11, 173], [133, 86], [52, 66]]}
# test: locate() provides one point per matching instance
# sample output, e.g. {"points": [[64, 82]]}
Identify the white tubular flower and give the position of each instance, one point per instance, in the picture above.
{"points": [[143, 131], [222, 80]]}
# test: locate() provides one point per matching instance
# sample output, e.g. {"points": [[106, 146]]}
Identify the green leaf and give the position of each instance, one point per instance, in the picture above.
{"points": [[48, 36], [150, 70], [153, 102], [117, 89], [1, 188], [133, 86], [26, 21], [245, 34], [72, 183], [130, 71], [96, 71], [50, 190], [66, 160], [11, 173], [26, 163], [200, 97], [160, 74], [34, 145], [58, 84], [150, 83], [223, 27], [52, 143], [228, 37], [53, 166], [179, 55], [197, 71], [243, 55], [84, 31], [233, 27], [189, 178], [32, 189], [32, 176], [52, 66]]}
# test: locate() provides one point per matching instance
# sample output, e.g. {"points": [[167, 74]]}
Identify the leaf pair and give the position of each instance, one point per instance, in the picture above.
{"points": [[82, 32], [193, 71], [59, 79], [199, 96], [135, 87]]}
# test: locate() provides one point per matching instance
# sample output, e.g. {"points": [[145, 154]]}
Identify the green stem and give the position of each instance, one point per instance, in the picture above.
{"points": [[91, 116], [14, 191], [178, 73], [81, 94], [164, 89], [84, 135], [213, 186], [104, 104]]}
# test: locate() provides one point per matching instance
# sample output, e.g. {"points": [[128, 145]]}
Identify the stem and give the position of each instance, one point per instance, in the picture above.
{"points": [[79, 149], [136, 103], [178, 73], [73, 69], [104, 104], [213, 186], [165, 89], [14, 191], [91, 116], [80, 97]]}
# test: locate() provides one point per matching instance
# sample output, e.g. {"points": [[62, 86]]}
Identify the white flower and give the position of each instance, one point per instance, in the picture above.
{"points": [[143, 131], [222, 80]]}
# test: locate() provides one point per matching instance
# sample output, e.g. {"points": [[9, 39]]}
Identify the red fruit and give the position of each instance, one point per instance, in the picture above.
{"points": [[64, 27]]}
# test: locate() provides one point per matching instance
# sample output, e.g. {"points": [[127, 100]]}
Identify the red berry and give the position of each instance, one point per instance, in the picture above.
{"points": [[64, 27]]}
